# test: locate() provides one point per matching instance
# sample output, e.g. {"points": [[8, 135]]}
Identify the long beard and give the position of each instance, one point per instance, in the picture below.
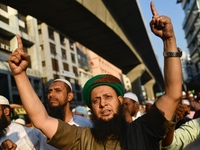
{"points": [[114, 127], [57, 112], [4, 123]]}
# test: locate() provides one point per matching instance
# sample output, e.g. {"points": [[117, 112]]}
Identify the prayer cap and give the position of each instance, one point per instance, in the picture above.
{"points": [[3, 100], [65, 81], [131, 95], [186, 102], [98, 80]]}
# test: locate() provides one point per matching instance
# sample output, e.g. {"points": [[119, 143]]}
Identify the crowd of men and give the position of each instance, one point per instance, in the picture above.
{"points": [[116, 121]]}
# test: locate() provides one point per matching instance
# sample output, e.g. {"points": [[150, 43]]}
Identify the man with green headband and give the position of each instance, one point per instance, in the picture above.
{"points": [[104, 95]]}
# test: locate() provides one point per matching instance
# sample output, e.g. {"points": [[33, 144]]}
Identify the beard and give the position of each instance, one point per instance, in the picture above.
{"points": [[4, 123], [57, 112], [114, 127]]}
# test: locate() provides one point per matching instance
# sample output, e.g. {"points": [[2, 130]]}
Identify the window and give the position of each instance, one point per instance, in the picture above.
{"points": [[75, 70], [13, 83], [22, 23], [71, 44], [51, 35], [43, 63], [67, 78], [3, 7], [29, 65], [56, 76], [2, 18], [62, 40], [73, 58], [53, 49], [55, 64], [39, 31], [77, 86], [64, 56], [79, 96], [41, 47], [65, 66], [44, 80], [37, 84], [6, 20]]}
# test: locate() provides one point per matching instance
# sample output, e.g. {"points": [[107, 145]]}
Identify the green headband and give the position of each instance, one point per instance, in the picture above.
{"points": [[103, 79]]}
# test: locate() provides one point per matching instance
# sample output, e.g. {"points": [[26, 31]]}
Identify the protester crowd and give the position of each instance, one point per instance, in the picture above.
{"points": [[113, 120]]}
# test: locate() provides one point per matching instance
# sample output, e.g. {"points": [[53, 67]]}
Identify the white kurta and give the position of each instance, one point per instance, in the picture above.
{"points": [[25, 138]]}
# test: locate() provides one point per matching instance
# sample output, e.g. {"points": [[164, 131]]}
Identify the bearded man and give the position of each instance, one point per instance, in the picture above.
{"points": [[24, 137], [60, 95], [104, 95]]}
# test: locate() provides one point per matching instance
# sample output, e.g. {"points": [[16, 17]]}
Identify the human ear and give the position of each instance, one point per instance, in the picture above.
{"points": [[120, 99], [70, 96], [6, 111]]}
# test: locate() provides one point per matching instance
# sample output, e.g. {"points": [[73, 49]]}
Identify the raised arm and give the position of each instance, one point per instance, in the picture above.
{"points": [[18, 62], [162, 27]]}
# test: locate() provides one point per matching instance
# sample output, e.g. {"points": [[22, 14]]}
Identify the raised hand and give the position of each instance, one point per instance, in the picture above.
{"points": [[18, 60], [180, 111], [8, 145], [161, 26]]}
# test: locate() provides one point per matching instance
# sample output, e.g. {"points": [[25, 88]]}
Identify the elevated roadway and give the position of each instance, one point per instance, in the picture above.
{"points": [[114, 29]]}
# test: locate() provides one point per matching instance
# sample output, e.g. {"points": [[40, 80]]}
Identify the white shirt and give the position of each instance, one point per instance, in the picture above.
{"points": [[137, 115], [25, 138]]}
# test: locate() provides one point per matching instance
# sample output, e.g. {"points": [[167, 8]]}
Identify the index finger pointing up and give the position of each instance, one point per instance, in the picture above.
{"points": [[19, 41], [153, 9]]}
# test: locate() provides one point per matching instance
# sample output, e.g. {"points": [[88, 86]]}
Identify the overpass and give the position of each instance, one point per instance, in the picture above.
{"points": [[114, 29]]}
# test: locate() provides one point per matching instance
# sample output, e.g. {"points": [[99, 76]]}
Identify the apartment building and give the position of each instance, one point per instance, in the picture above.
{"points": [[59, 59], [12, 23], [52, 54], [191, 26], [95, 64]]}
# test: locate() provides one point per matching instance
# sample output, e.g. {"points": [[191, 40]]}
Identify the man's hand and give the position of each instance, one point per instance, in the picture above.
{"points": [[161, 26], [18, 60], [181, 110], [8, 145]]}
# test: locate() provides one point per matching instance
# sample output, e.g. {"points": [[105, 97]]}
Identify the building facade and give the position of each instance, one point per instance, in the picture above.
{"points": [[59, 59], [12, 23], [191, 26], [52, 55]]}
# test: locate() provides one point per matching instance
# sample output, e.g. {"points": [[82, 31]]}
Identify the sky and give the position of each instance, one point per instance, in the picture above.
{"points": [[171, 9]]}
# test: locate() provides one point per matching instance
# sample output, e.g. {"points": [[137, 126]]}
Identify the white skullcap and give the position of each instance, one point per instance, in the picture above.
{"points": [[183, 93], [185, 101], [150, 102], [3, 100], [191, 95], [131, 95], [65, 81], [20, 121]]}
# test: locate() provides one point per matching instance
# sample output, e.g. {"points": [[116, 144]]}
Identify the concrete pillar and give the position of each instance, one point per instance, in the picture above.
{"points": [[149, 89], [136, 72], [134, 76]]}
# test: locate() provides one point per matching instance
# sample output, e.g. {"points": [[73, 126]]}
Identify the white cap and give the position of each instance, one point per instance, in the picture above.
{"points": [[183, 93], [20, 121], [3, 100], [191, 95], [131, 95], [150, 102], [65, 81], [185, 101]]}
